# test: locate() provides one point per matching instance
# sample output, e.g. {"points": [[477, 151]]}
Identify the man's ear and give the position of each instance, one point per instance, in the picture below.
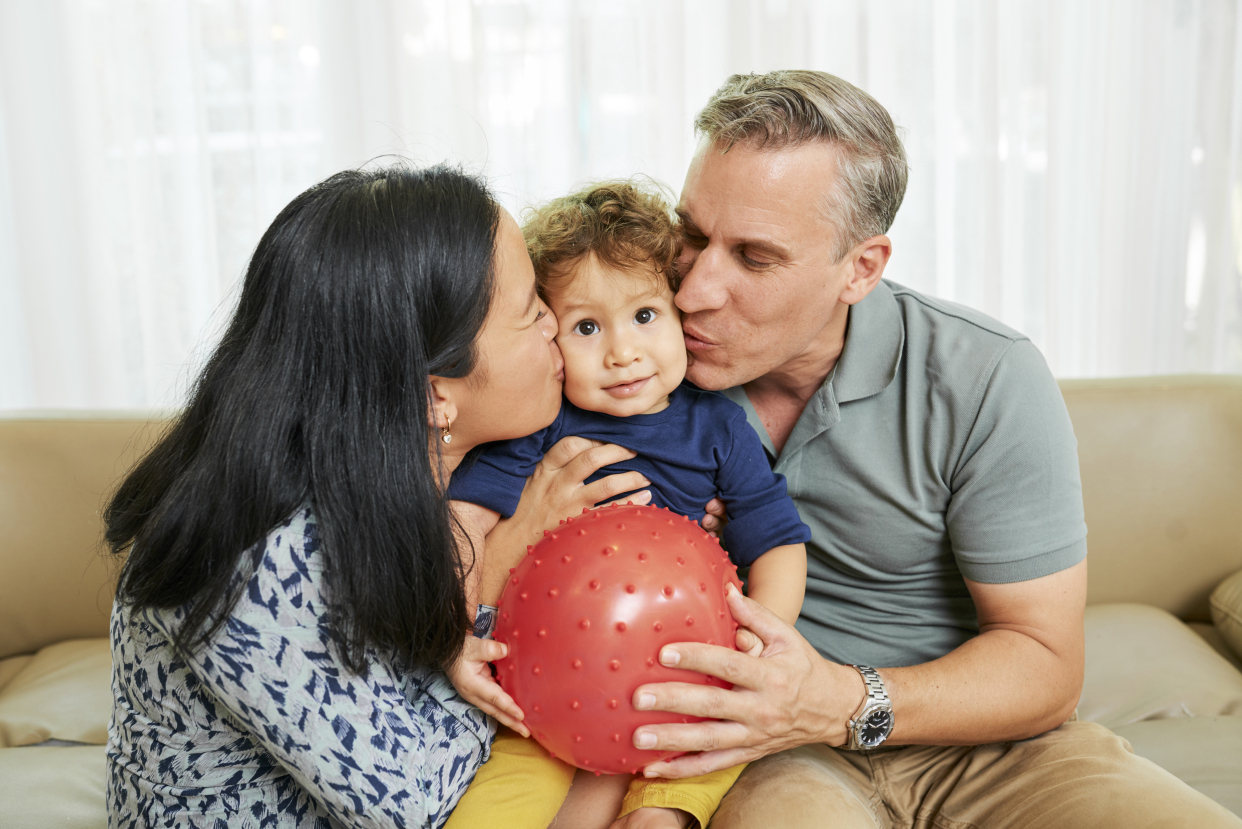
{"points": [[867, 261], [443, 406]]}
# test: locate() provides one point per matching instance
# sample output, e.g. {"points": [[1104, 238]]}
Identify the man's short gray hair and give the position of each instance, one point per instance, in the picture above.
{"points": [[793, 107]]}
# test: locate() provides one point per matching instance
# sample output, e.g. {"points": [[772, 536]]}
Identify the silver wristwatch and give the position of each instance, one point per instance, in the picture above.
{"points": [[871, 726]]}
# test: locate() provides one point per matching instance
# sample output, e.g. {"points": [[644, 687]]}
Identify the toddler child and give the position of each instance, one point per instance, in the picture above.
{"points": [[604, 263]]}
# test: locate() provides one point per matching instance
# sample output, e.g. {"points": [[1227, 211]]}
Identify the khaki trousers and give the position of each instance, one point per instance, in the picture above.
{"points": [[1080, 775]]}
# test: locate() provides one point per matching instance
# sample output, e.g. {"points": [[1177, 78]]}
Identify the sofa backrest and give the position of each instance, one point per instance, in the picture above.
{"points": [[56, 470], [1161, 461]]}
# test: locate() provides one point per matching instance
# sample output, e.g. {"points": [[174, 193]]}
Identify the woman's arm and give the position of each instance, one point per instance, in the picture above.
{"points": [[555, 491], [375, 750]]}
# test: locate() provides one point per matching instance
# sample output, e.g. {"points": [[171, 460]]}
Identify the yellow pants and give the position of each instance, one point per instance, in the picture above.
{"points": [[523, 786]]}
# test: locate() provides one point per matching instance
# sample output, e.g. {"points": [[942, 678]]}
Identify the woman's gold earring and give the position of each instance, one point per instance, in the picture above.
{"points": [[444, 431]]}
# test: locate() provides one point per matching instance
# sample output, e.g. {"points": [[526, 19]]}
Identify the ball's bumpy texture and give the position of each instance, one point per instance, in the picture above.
{"points": [[585, 615]]}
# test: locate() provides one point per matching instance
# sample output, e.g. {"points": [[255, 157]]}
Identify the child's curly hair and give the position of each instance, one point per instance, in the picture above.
{"points": [[624, 223]]}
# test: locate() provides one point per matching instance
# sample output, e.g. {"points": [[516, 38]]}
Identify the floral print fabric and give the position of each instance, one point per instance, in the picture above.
{"points": [[264, 726]]}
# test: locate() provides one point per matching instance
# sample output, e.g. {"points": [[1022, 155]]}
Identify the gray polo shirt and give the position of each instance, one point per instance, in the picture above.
{"points": [[939, 447]]}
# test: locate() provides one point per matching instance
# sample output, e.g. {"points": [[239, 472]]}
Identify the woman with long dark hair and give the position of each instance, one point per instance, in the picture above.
{"points": [[293, 585]]}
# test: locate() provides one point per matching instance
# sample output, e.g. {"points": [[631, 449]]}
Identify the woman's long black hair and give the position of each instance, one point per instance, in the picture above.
{"points": [[364, 285]]}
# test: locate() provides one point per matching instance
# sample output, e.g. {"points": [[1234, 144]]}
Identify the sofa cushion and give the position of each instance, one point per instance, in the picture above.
{"points": [[1203, 752], [63, 693], [44, 787], [11, 667], [1226, 606], [1143, 664], [1209, 633]]}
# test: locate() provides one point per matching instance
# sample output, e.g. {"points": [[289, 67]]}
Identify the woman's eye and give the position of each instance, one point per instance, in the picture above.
{"points": [[645, 316], [586, 328]]}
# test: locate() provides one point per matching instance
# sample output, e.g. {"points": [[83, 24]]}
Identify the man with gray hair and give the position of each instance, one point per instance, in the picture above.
{"points": [[933, 675]]}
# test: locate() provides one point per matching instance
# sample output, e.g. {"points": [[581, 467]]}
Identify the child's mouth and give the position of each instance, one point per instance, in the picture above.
{"points": [[627, 389]]}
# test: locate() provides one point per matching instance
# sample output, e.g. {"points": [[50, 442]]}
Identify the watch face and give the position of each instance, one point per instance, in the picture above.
{"points": [[876, 727]]}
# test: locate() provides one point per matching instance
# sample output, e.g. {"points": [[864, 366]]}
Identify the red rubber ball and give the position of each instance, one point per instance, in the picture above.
{"points": [[585, 614]]}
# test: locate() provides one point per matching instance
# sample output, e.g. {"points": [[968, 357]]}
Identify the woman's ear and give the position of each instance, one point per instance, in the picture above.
{"points": [[443, 407]]}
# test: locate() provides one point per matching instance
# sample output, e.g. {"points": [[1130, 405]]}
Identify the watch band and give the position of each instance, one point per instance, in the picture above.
{"points": [[875, 702], [875, 685]]}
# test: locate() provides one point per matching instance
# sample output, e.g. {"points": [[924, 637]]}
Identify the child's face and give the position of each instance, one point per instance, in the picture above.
{"points": [[620, 335]]}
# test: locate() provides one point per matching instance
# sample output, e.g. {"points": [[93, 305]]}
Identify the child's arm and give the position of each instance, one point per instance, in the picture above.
{"points": [[690, 802], [777, 580]]}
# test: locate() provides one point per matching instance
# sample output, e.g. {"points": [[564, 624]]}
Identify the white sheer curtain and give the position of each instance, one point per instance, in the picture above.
{"points": [[1075, 163]]}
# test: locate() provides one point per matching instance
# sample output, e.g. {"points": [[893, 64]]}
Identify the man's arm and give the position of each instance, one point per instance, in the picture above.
{"points": [[1020, 676]]}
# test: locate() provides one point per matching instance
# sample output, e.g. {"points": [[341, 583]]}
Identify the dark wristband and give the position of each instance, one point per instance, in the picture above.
{"points": [[484, 621]]}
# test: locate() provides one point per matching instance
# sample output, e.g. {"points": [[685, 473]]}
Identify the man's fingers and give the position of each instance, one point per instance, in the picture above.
{"points": [[709, 701], [726, 663], [694, 765], [708, 736], [750, 614]]}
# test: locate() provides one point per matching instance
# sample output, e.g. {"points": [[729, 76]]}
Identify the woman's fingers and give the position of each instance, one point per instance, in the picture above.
{"points": [[566, 449], [594, 457], [501, 706], [607, 489], [637, 498]]}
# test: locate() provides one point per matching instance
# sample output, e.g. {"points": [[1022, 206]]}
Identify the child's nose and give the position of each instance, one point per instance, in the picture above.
{"points": [[622, 352]]}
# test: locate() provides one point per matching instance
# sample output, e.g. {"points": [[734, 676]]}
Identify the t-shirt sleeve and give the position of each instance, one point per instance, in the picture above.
{"points": [[761, 513], [496, 478], [1015, 512]]}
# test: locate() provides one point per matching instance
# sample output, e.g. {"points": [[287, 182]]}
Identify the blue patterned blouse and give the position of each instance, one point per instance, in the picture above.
{"points": [[266, 727]]}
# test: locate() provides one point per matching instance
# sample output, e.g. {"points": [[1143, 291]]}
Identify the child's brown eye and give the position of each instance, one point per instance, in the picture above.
{"points": [[586, 328], [645, 316]]}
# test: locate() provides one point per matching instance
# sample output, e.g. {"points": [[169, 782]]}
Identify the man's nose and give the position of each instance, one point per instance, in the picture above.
{"points": [[702, 283]]}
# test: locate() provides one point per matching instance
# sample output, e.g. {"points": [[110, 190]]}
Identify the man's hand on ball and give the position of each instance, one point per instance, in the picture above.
{"points": [[789, 696], [472, 677]]}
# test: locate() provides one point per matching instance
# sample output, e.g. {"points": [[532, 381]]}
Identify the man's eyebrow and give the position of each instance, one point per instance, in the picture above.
{"points": [[530, 303], [684, 218], [768, 246]]}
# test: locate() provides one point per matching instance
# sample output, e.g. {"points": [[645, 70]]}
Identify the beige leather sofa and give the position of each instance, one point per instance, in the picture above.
{"points": [[1162, 481]]}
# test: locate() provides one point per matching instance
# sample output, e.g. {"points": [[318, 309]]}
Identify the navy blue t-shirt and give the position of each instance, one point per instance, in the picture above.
{"points": [[698, 448]]}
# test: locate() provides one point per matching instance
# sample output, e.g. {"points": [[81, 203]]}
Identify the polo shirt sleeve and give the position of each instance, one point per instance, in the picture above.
{"points": [[496, 478], [1015, 512], [761, 513]]}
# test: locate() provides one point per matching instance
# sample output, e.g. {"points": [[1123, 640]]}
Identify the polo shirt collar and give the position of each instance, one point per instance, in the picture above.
{"points": [[874, 340]]}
